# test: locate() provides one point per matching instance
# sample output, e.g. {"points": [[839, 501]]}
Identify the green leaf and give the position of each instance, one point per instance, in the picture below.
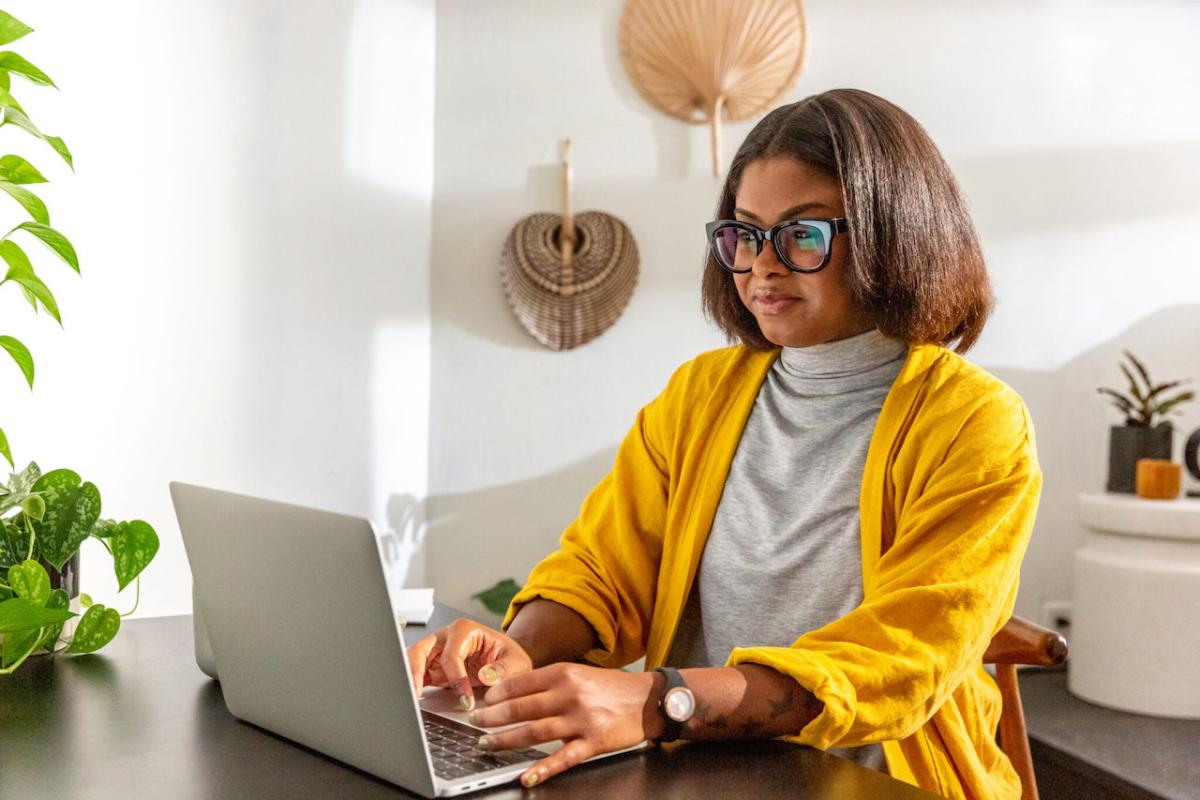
{"points": [[28, 200], [60, 147], [20, 354], [1141, 368], [33, 284], [14, 542], [96, 629], [15, 255], [18, 645], [1133, 386], [12, 500], [1167, 405], [21, 614], [20, 271], [12, 115], [5, 594], [12, 62], [86, 600], [5, 451], [58, 599], [1162, 387], [29, 580], [133, 546], [22, 482], [18, 170], [1122, 402], [11, 28], [72, 509], [34, 506], [498, 598], [52, 239], [5, 80], [105, 528], [6, 98]]}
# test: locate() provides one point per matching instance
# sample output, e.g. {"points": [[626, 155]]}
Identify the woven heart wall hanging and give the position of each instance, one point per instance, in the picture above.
{"points": [[568, 277]]}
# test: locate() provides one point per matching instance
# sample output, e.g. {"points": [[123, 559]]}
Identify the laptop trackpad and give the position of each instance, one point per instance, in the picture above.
{"points": [[444, 703]]}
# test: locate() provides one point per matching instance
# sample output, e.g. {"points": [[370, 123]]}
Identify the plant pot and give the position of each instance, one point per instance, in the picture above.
{"points": [[68, 581], [1126, 445]]}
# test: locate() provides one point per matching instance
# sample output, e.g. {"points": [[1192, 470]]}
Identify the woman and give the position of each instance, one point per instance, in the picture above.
{"points": [[819, 529]]}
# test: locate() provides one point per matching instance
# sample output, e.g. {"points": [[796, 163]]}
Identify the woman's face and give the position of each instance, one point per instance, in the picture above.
{"points": [[795, 309]]}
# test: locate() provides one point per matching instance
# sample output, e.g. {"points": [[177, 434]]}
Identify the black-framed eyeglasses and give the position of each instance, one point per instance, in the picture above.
{"points": [[803, 245]]}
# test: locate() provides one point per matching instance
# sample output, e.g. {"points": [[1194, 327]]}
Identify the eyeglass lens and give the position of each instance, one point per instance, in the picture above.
{"points": [[801, 245]]}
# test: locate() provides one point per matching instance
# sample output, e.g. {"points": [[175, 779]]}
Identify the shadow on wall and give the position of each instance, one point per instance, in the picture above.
{"points": [[475, 539], [402, 545], [1071, 423]]}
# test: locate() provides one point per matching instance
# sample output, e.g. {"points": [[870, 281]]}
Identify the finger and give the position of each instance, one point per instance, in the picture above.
{"points": [[531, 682], [573, 752], [492, 673], [417, 657], [539, 732], [433, 668], [519, 709], [462, 640]]}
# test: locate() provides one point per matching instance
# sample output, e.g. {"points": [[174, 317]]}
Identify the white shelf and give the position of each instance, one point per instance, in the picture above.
{"points": [[1131, 515]]}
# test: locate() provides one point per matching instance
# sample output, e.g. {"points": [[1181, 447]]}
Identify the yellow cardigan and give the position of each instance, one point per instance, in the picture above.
{"points": [[949, 494]]}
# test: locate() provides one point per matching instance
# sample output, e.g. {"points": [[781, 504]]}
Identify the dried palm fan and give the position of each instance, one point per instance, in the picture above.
{"points": [[707, 60]]}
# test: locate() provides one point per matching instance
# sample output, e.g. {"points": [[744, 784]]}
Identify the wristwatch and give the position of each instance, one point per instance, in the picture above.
{"points": [[677, 704]]}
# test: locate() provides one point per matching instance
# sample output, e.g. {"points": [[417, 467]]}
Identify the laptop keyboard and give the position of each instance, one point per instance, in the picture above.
{"points": [[452, 748]]}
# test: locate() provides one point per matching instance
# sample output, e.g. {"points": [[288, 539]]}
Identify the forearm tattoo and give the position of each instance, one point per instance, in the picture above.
{"points": [[783, 705], [754, 712], [708, 716]]}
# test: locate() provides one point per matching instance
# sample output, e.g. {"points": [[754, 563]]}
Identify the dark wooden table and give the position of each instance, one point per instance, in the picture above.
{"points": [[140, 720]]}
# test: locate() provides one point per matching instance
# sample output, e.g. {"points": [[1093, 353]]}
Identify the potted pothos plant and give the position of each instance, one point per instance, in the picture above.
{"points": [[45, 518], [498, 597], [1147, 431]]}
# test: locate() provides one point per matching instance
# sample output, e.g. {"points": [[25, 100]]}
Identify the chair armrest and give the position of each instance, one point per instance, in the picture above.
{"points": [[1022, 642]]}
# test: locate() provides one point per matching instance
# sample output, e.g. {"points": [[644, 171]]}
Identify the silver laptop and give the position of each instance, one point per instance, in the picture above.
{"points": [[296, 606]]}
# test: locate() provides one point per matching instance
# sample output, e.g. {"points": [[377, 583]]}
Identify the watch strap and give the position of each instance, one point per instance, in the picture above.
{"points": [[672, 728]]}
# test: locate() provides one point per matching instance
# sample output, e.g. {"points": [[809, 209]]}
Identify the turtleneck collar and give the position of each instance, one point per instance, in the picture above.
{"points": [[844, 358]]}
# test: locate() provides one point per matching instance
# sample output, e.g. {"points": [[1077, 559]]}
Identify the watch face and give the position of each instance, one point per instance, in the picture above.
{"points": [[679, 704]]}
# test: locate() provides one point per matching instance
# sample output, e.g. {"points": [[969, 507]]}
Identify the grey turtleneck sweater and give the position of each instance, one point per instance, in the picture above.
{"points": [[784, 553]]}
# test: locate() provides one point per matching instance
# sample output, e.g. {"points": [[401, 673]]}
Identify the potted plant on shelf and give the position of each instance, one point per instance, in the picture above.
{"points": [[44, 518], [1147, 432]]}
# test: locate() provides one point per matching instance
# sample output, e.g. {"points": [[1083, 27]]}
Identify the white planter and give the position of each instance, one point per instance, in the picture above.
{"points": [[1135, 629]]}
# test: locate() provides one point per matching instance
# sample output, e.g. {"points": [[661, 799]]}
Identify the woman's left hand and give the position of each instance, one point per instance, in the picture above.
{"points": [[593, 710]]}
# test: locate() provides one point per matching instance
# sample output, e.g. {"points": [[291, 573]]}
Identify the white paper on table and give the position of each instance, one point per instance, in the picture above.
{"points": [[413, 606]]}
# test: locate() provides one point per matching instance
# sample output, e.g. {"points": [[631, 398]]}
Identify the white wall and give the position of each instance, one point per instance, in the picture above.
{"points": [[252, 212], [1070, 124], [291, 257]]}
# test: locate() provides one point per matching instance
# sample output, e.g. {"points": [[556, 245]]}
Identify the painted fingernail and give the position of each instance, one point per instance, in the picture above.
{"points": [[471, 718], [530, 778], [483, 743], [489, 675], [465, 702]]}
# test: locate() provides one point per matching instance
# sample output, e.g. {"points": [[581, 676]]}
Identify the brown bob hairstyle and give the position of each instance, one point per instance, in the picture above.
{"points": [[915, 266]]}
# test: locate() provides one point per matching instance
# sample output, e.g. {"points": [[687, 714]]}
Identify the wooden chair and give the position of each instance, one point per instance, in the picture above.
{"points": [[1020, 642]]}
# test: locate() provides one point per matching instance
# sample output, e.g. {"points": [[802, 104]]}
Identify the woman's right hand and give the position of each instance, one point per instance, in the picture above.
{"points": [[465, 654]]}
